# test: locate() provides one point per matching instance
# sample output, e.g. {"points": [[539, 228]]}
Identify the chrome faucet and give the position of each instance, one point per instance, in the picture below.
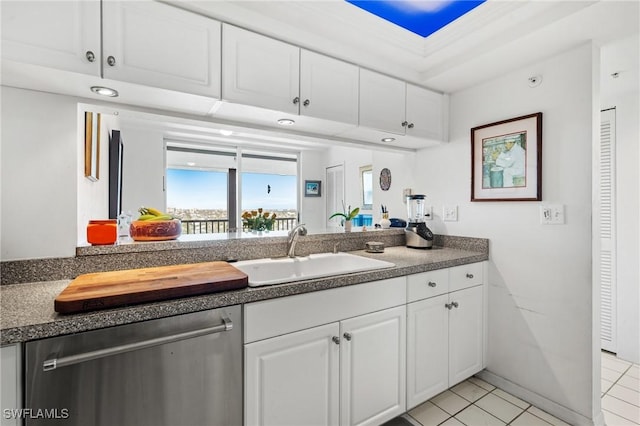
{"points": [[293, 238]]}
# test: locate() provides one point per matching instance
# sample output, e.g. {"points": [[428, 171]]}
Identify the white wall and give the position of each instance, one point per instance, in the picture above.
{"points": [[142, 169], [39, 175], [312, 167], [540, 297]]}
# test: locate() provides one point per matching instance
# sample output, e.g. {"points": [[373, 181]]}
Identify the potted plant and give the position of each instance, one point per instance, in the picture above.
{"points": [[258, 221], [347, 216]]}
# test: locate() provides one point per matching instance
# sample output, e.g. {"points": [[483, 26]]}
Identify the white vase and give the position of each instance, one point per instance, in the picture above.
{"points": [[385, 223], [347, 226]]}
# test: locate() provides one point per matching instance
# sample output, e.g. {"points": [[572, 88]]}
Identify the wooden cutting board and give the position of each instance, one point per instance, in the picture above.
{"points": [[103, 290]]}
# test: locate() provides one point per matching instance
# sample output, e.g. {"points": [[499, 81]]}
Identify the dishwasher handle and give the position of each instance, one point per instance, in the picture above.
{"points": [[53, 363]]}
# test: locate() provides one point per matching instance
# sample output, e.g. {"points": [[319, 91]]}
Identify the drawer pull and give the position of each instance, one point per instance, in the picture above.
{"points": [[449, 306], [431, 284], [336, 340], [470, 276], [347, 336], [454, 304]]}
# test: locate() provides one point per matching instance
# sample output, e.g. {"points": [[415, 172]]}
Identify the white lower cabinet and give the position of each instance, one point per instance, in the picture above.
{"points": [[350, 372], [11, 381], [445, 336], [372, 367], [293, 379]]}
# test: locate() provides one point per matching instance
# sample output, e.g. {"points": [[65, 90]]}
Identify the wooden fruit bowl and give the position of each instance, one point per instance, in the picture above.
{"points": [[155, 230]]}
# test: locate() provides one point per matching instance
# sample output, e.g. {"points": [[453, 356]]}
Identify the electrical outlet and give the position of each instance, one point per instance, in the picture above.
{"points": [[450, 213], [552, 214]]}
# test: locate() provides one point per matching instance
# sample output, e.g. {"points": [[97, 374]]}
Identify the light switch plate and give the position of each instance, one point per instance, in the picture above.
{"points": [[450, 213], [552, 214]]}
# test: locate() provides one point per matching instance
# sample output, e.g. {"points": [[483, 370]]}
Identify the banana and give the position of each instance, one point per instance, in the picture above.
{"points": [[162, 217], [147, 217], [155, 212]]}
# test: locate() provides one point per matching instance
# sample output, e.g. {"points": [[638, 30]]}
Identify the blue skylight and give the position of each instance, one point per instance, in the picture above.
{"points": [[422, 17]]}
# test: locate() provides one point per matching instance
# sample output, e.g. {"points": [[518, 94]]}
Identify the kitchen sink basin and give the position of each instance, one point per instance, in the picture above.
{"points": [[282, 270]]}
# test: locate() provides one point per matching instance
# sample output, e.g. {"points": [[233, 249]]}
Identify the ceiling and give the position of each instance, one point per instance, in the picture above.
{"points": [[491, 40]]}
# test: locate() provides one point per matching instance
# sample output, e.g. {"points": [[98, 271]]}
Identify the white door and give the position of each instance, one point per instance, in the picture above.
{"points": [[334, 192], [260, 71], [61, 35], [372, 367], [424, 113], [328, 88], [606, 263], [293, 379], [427, 349], [466, 337], [382, 102], [162, 46]]}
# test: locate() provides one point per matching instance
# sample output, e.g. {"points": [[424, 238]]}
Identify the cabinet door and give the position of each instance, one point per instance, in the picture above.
{"points": [[465, 334], [328, 88], [372, 367], [382, 102], [59, 34], [259, 71], [158, 45], [10, 376], [427, 349], [424, 113], [293, 379]]}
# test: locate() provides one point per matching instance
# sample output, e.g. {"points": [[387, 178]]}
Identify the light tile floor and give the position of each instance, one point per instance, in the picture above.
{"points": [[475, 402]]}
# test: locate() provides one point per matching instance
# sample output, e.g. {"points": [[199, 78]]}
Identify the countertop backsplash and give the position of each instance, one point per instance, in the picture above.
{"points": [[193, 249]]}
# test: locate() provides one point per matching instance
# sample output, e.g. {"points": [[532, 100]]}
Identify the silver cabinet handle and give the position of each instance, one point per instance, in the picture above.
{"points": [[53, 363], [431, 284], [296, 100], [111, 61], [405, 123], [410, 125], [470, 276], [347, 336], [306, 102], [448, 306], [454, 304], [90, 56], [336, 340]]}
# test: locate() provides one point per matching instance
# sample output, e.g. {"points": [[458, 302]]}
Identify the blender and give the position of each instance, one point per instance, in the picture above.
{"points": [[417, 233]]}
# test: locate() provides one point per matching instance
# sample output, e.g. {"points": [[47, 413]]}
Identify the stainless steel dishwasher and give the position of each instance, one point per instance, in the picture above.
{"points": [[176, 371]]}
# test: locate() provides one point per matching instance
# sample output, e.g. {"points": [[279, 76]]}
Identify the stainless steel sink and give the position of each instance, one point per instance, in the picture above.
{"points": [[282, 270]]}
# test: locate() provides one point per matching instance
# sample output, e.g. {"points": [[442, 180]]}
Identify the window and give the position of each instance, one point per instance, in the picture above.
{"points": [[203, 184], [366, 182]]}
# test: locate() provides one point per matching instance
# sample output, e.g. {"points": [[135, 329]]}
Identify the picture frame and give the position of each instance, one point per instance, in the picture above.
{"points": [[312, 188], [506, 160], [92, 145]]}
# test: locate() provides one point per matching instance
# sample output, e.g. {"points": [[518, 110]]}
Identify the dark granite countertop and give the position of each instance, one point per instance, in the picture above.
{"points": [[27, 309]]}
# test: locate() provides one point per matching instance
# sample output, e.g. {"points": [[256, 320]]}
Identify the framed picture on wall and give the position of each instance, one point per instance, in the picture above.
{"points": [[312, 188], [506, 160]]}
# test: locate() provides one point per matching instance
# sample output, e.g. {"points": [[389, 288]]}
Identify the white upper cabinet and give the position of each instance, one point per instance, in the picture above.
{"points": [[158, 45], [259, 71], [328, 88], [425, 113], [61, 35], [382, 102]]}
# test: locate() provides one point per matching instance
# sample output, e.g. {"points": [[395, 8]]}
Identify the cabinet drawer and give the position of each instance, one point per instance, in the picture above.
{"points": [[465, 276], [427, 284], [274, 317]]}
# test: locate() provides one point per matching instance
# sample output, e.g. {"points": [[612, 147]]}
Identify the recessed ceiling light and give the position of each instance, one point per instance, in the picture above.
{"points": [[286, 122], [388, 139], [104, 91], [226, 132]]}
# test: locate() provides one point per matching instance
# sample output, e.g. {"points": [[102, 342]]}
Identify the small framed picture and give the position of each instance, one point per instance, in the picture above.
{"points": [[312, 188]]}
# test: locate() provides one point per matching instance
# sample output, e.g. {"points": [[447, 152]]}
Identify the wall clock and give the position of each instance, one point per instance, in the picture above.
{"points": [[385, 179]]}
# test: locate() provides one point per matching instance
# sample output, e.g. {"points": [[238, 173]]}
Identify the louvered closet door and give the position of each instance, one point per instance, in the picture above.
{"points": [[607, 222]]}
